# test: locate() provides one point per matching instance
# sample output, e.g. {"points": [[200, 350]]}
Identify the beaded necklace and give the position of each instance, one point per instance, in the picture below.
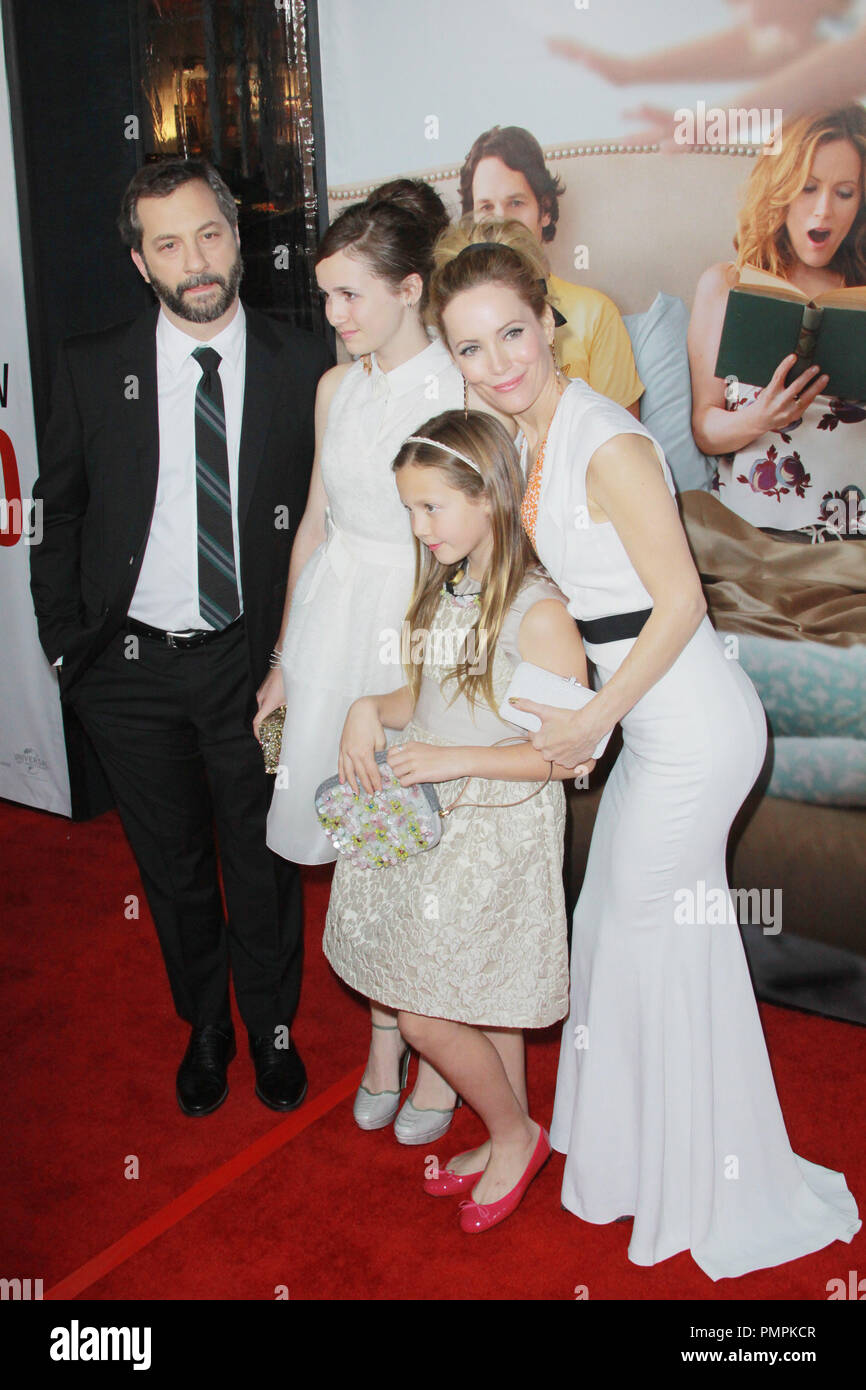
{"points": [[448, 589], [529, 505]]}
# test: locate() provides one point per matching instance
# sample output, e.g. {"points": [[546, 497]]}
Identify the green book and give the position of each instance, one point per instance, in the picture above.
{"points": [[764, 324]]}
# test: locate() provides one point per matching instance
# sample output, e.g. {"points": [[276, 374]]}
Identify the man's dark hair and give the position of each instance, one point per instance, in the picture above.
{"points": [[521, 152], [160, 179]]}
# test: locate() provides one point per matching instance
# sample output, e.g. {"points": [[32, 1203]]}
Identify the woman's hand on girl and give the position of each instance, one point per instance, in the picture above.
{"points": [[778, 405], [566, 736], [412, 763], [363, 736]]}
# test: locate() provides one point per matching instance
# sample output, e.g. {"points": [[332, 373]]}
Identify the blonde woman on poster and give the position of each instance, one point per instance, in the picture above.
{"points": [[790, 456]]}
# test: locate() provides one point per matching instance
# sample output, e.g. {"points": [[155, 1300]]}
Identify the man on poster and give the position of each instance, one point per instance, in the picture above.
{"points": [[174, 466]]}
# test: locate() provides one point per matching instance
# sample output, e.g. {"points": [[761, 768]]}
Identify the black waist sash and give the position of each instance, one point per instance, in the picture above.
{"points": [[613, 629]]}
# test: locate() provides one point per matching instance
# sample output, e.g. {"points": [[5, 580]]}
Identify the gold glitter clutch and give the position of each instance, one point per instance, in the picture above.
{"points": [[271, 738]]}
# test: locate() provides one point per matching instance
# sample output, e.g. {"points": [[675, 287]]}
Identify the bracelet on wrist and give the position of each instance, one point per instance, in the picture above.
{"points": [[275, 660]]}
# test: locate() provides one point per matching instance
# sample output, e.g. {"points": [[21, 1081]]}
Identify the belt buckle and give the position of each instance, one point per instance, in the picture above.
{"points": [[171, 639]]}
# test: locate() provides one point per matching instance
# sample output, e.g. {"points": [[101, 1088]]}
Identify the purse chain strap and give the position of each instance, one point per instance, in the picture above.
{"points": [[495, 805]]}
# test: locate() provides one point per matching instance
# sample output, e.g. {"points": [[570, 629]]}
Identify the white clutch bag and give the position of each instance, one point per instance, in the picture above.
{"points": [[545, 688]]}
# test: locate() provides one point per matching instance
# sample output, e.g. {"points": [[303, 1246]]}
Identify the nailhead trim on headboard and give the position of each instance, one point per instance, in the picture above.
{"points": [[571, 152]]}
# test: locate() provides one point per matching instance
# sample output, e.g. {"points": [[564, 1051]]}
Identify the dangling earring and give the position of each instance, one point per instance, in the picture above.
{"points": [[368, 363], [465, 399], [556, 367]]}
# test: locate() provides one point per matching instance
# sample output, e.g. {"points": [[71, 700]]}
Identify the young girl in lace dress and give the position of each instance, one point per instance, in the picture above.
{"points": [[467, 941]]}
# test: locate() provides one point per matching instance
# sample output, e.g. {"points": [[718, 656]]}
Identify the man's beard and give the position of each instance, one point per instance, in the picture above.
{"points": [[196, 310]]}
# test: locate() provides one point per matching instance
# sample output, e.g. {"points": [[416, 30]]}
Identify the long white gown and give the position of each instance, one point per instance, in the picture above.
{"points": [[351, 597], [665, 1102]]}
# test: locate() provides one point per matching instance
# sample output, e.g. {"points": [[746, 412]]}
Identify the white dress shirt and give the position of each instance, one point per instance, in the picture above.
{"points": [[166, 595]]}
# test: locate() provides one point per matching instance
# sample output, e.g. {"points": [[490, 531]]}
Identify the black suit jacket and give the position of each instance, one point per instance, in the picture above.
{"points": [[99, 465]]}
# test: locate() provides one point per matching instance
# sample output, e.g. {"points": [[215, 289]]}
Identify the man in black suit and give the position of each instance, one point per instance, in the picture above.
{"points": [[174, 469]]}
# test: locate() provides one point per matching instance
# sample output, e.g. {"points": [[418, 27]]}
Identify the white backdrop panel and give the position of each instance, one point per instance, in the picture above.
{"points": [[32, 750], [389, 64]]}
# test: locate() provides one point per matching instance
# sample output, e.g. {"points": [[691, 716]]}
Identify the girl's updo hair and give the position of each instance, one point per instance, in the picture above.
{"points": [[393, 231], [503, 253]]}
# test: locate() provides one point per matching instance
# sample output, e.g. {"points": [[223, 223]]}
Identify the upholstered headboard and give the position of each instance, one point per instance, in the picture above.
{"points": [[649, 221], [641, 226]]}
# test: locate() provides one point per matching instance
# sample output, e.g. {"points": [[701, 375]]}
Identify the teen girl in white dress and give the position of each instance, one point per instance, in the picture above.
{"points": [[352, 565]]}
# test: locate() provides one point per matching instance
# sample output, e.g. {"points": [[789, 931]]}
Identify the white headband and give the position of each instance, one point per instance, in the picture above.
{"points": [[446, 449]]}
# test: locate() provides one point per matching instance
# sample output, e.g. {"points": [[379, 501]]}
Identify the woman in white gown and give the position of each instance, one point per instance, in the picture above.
{"points": [[665, 1102], [353, 562]]}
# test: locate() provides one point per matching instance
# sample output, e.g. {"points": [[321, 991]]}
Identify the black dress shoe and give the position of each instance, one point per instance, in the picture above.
{"points": [[201, 1076], [281, 1080]]}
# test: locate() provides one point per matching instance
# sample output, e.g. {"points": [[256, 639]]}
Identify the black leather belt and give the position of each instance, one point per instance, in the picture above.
{"points": [[181, 640], [613, 629]]}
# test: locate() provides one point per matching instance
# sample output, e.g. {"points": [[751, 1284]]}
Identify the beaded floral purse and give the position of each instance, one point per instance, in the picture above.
{"points": [[381, 829]]}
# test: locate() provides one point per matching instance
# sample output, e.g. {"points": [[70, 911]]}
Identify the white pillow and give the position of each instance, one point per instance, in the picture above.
{"points": [[658, 340]]}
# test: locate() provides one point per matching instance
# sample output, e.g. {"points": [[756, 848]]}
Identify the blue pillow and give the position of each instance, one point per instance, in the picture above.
{"points": [[658, 340], [809, 689], [823, 771]]}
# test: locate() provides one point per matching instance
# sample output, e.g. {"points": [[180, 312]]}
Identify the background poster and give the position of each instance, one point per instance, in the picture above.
{"points": [[408, 87], [32, 750], [387, 68]]}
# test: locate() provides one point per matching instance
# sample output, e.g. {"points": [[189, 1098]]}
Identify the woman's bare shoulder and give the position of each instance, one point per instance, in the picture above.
{"points": [[717, 280]]}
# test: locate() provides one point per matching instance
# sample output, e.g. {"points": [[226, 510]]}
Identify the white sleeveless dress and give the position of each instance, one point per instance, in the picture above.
{"points": [[665, 1101], [351, 597]]}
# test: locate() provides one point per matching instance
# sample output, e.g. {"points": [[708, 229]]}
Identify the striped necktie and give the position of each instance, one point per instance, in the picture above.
{"points": [[217, 579]]}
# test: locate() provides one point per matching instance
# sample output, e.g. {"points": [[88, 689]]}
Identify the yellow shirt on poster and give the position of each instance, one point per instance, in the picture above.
{"points": [[594, 344]]}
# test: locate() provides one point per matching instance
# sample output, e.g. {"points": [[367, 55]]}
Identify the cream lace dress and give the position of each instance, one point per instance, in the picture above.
{"points": [[474, 929]]}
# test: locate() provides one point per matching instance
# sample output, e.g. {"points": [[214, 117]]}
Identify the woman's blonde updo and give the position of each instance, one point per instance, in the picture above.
{"points": [[515, 260]]}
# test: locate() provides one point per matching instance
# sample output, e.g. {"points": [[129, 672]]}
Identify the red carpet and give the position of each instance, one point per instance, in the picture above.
{"points": [[245, 1203]]}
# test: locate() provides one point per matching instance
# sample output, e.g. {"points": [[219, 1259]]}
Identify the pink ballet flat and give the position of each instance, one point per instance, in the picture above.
{"points": [[448, 1183], [477, 1216]]}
